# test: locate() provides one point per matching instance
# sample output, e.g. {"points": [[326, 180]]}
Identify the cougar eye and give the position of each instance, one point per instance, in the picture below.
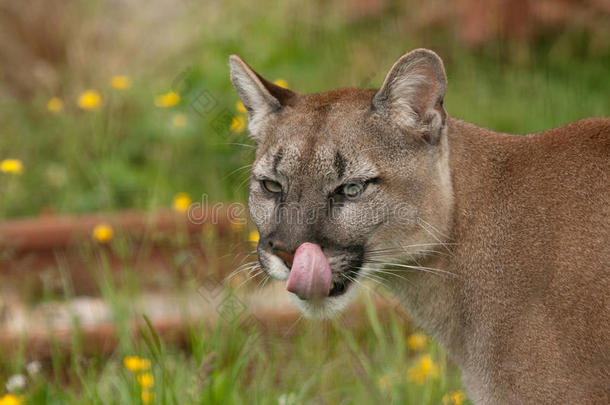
{"points": [[272, 186], [352, 190]]}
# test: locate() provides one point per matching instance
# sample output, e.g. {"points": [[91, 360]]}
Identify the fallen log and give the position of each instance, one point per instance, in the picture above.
{"points": [[265, 313], [39, 252]]}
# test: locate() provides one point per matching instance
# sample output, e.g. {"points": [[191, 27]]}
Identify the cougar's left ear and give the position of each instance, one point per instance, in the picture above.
{"points": [[412, 94], [260, 97]]}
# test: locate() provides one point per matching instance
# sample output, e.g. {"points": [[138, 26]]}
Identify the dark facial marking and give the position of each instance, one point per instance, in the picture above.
{"points": [[339, 164], [348, 274], [277, 159], [323, 108]]}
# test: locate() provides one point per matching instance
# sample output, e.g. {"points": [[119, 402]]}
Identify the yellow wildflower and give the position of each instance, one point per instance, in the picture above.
{"points": [[454, 398], [281, 82], [417, 341], [10, 399], [384, 382], [182, 202], [179, 120], [135, 363], [238, 124], [55, 104], [422, 370], [167, 100], [90, 100], [147, 397], [240, 107], [253, 237], [120, 82], [132, 363], [146, 380], [103, 233], [12, 166]]}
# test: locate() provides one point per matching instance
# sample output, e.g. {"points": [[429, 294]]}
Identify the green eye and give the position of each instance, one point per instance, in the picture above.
{"points": [[352, 190], [272, 186]]}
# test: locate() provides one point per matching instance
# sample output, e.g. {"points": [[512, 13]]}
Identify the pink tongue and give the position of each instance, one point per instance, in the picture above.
{"points": [[310, 274]]}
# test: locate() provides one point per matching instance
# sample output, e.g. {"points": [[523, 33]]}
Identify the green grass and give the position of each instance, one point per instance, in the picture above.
{"points": [[239, 362]]}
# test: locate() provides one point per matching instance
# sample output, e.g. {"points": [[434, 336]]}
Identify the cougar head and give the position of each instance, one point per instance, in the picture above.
{"points": [[347, 181]]}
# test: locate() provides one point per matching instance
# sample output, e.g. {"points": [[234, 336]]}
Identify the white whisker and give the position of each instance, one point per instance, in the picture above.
{"points": [[235, 171], [422, 268], [432, 234], [241, 144], [386, 273], [241, 269], [250, 277]]}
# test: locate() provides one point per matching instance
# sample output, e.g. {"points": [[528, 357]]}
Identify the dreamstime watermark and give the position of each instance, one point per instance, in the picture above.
{"points": [[350, 213]]}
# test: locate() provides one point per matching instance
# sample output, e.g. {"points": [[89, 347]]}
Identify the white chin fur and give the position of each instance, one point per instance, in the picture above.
{"points": [[276, 267], [326, 308]]}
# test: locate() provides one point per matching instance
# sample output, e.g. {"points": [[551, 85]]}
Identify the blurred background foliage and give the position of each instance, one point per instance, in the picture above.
{"points": [[517, 66]]}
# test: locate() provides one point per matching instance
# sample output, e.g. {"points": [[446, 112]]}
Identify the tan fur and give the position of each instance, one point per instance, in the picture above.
{"points": [[511, 233], [532, 233]]}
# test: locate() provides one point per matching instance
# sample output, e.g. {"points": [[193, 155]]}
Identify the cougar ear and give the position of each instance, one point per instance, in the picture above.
{"points": [[412, 94], [260, 96]]}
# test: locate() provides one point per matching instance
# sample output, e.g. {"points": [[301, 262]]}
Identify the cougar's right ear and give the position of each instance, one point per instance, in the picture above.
{"points": [[260, 96], [412, 94]]}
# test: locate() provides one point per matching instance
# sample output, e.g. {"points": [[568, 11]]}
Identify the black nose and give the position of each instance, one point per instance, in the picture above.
{"points": [[282, 251]]}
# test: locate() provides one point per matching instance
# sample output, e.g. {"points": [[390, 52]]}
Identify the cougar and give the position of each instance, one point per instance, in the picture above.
{"points": [[496, 244]]}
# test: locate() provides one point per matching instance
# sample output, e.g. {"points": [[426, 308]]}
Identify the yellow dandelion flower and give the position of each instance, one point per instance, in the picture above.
{"points": [[10, 399], [132, 363], [89, 100], [136, 364], [146, 380], [103, 233], [12, 166], [147, 397], [454, 398], [422, 370], [384, 382], [281, 82], [238, 124], [253, 237], [240, 107], [179, 120], [182, 202], [417, 341], [120, 82], [167, 100], [55, 104]]}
